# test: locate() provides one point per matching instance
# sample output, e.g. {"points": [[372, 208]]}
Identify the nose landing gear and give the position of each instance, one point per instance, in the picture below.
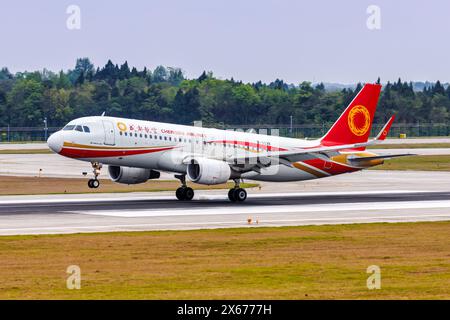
{"points": [[237, 194], [184, 192], [95, 183]]}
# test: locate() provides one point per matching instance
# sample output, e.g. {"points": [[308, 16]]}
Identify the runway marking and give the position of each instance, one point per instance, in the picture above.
{"points": [[262, 223], [201, 196], [234, 210]]}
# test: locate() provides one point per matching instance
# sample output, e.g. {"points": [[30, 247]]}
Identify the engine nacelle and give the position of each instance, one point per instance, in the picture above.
{"points": [[128, 175], [208, 171]]}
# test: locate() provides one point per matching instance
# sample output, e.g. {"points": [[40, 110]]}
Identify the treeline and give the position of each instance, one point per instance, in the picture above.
{"points": [[164, 94]]}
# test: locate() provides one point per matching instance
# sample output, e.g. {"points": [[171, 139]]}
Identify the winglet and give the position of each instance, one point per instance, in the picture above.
{"points": [[385, 130]]}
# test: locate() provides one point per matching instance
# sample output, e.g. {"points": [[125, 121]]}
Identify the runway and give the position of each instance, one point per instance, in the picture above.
{"points": [[211, 210], [361, 197]]}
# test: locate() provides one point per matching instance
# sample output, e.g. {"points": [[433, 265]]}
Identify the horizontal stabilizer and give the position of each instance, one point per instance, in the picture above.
{"points": [[387, 156], [385, 130]]}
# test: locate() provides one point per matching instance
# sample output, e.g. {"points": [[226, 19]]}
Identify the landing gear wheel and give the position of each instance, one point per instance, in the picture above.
{"points": [[188, 194], [180, 193], [184, 193], [240, 194], [231, 195], [93, 183]]}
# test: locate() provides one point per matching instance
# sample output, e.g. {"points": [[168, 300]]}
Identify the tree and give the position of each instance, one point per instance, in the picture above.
{"points": [[108, 73], [175, 76], [83, 66], [5, 74], [159, 74], [187, 106], [202, 77], [124, 72], [25, 103]]}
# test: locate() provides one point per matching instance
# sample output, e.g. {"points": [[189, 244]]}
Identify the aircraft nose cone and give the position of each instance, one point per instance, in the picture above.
{"points": [[55, 142]]}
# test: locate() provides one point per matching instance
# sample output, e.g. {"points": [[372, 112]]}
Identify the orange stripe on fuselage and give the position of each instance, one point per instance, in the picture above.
{"points": [[89, 146], [309, 170]]}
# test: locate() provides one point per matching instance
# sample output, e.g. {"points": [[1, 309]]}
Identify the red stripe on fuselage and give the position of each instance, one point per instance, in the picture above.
{"points": [[98, 153]]}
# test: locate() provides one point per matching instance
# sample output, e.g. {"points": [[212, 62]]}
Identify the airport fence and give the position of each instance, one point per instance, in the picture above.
{"points": [[315, 131], [21, 134]]}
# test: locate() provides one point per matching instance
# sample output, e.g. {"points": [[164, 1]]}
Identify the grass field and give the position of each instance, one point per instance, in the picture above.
{"points": [[410, 146], [13, 185], [426, 163], [249, 263], [25, 151]]}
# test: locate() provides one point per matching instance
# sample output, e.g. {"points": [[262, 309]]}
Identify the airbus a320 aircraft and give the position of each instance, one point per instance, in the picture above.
{"points": [[136, 151]]}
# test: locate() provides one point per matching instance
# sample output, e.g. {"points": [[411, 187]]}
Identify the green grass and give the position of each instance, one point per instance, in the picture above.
{"points": [[313, 262], [421, 163]]}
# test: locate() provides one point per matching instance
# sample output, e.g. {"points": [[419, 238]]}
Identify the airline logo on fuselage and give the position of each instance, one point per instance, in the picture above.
{"points": [[122, 126], [359, 120]]}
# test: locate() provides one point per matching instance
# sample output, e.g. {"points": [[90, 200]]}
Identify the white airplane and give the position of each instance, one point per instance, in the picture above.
{"points": [[136, 151]]}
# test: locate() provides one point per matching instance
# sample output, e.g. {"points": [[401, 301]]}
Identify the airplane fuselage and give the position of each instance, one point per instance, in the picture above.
{"points": [[163, 147]]}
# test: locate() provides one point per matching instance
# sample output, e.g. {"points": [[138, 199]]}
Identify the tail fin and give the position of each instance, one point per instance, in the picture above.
{"points": [[353, 126]]}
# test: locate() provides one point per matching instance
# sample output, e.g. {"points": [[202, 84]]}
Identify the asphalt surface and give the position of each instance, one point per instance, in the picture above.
{"points": [[212, 210], [260, 201]]}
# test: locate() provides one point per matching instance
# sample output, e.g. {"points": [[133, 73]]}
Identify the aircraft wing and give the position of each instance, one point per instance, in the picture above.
{"points": [[286, 157]]}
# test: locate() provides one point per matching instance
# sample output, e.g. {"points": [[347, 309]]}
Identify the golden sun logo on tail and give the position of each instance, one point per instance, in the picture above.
{"points": [[359, 120]]}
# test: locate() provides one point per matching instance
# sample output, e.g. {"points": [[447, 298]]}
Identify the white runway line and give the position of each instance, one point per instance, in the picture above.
{"points": [[235, 210], [201, 196], [220, 224]]}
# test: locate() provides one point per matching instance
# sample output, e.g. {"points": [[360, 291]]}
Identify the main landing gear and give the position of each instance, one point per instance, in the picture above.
{"points": [[184, 193], [94, 183], [237, 194]]}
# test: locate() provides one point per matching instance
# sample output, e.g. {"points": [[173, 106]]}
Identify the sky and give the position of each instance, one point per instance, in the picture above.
{"points": [[248, 40]]}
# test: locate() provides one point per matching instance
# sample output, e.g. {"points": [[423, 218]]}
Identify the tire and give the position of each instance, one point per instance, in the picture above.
{"points": [[95, 183], [180, 193], [188, 194], [231, 195], [240, 194], [90, 183]]}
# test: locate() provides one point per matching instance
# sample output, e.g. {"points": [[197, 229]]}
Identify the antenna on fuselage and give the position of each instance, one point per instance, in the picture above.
{"points": [[103, 114]]}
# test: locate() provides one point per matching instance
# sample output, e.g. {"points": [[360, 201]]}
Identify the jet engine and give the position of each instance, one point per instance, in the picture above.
{"points": [[208, 171], [129, 175]]}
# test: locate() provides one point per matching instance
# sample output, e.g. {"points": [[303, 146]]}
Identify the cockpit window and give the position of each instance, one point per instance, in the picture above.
{"points": [[86, 129], [68, 127], [79, 128]]}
